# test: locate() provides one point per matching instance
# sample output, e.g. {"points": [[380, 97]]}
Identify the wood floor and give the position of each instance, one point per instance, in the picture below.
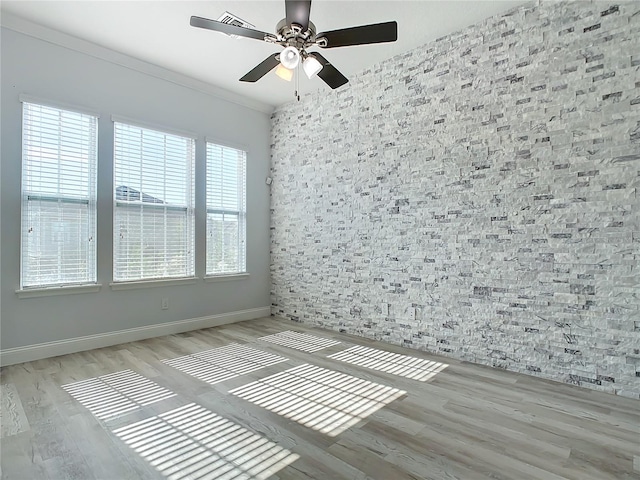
{"points": [[224, 403]]}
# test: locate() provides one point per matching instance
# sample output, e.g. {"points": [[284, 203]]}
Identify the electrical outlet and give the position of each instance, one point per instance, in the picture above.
{"points": [[165, 304]]}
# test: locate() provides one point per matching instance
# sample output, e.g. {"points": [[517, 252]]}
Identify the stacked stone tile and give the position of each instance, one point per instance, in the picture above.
{"points": [[476, 197]]}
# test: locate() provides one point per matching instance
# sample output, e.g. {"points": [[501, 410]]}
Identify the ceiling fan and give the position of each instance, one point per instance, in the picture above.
{"points": [[297, 34]]}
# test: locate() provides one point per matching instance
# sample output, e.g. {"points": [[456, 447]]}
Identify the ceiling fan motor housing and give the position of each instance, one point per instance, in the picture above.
{"points": [[293, 36]]}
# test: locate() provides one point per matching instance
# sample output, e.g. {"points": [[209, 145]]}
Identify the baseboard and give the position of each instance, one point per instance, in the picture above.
{"points": [[29, 353]]}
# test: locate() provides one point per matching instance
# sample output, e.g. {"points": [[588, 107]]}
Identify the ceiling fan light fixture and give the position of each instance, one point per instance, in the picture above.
{"points": [[284, 73], [290, 57], [311, 66]]}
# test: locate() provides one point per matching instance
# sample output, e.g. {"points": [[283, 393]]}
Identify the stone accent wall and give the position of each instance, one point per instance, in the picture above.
{"points": [[476, 197]]}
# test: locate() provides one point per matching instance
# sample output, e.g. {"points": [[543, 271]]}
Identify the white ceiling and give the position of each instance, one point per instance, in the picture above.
{"points": [[158, 32]]}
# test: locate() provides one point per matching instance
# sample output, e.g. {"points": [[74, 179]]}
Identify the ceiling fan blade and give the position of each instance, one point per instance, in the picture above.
{"points": [[362, 35], [228, 28], [298, 12], [329, 74], [261, 69]]}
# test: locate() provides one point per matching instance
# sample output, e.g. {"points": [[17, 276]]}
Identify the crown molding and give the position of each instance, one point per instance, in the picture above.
{"points": [[26, 27]]}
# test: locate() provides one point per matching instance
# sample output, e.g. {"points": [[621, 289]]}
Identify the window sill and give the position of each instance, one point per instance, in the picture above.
{"points": [[62, 290], [152, 283], [226, 277]]}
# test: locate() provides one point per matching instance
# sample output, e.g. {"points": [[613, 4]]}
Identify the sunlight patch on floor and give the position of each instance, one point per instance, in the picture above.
{"points": [[403, 365], [116, 394], [219, 364], [192, 442], [321, 399], [300, 341]]}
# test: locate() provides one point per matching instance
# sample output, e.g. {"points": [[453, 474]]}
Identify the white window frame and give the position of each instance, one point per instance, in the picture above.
{"points": [[215, 206], [82, 143], [139, 207]]}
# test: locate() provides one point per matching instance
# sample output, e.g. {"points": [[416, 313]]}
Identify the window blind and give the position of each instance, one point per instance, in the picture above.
{"points": [[226, 210], [59, 161], [154, 199]]}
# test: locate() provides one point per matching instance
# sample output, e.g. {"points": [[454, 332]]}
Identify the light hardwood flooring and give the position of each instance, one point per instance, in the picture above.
{"points": [[223, 403]]}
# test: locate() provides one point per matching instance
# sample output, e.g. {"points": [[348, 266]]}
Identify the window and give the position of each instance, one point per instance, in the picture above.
{"points": [[153, 198], [226, 178], [59, 159]]}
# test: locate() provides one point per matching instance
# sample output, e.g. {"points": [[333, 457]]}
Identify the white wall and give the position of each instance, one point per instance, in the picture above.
{"points": [[49, 71]]}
